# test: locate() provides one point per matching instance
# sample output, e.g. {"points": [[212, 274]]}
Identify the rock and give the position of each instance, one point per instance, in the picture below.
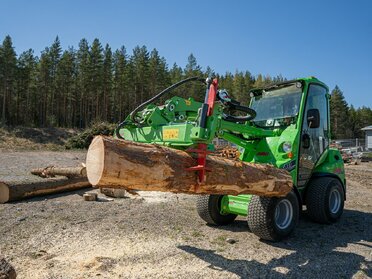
{"points": [[20, 219], [230, 240], [6, 270]]}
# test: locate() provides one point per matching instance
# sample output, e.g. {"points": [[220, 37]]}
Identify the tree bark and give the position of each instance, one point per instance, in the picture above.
{"points": [[53, 171], [114, 163], [13, 192]]}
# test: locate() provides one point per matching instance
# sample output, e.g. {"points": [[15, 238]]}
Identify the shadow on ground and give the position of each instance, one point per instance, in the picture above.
{"points": [[318, 251]]}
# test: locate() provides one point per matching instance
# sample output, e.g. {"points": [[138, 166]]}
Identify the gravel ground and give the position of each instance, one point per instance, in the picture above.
{"points": [[159, 235]]}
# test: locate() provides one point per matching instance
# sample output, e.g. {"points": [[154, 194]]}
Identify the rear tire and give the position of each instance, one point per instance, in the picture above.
{"points": [[209, 209], [273, 218], [325, 200]]}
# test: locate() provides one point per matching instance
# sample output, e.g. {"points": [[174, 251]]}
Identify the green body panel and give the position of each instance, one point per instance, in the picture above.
{"points": [[176, 125], [235, 204], [331, 162]]}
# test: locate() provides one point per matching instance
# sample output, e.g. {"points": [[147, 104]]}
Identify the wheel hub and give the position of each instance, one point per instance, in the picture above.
{"points": [[334, 201], [283, 214]]}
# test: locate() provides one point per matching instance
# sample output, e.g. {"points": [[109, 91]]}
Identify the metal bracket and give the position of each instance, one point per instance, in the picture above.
{"points": [[201, 167]]}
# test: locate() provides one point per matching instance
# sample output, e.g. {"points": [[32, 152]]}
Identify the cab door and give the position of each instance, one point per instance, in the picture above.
{"points": [[314, 135]]}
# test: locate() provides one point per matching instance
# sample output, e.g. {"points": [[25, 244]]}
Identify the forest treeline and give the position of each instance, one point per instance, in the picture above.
{"points": [[74, 87]]}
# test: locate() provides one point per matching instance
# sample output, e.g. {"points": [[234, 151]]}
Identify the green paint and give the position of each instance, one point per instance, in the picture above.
{"points": [[235, 204], [176, 125]]}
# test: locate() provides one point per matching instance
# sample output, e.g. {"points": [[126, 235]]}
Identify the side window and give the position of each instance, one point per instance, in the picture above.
{"points": [[314, 135], [317, 99]]}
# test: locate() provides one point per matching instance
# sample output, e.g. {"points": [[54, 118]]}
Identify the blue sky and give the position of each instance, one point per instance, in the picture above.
{"points": [[331, 40]]}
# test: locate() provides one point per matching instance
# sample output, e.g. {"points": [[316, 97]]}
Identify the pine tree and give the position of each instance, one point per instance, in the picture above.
{"points": [[54, 53], [195, 90], [158, 74], [73, 88], [66, 83], [121, 96], [175, 75], [107, 83], [209, 72], [44, 86], [26, 100], [141, 81], [340, 124], [8, 69], [96, 80], [226, 82], [83, 83]]}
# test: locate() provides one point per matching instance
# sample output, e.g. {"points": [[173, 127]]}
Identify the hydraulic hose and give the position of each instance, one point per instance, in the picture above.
{"points": [[151, 100]]}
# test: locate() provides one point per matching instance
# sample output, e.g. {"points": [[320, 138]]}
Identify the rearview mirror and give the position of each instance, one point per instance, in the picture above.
{"points": [[313, 118]]}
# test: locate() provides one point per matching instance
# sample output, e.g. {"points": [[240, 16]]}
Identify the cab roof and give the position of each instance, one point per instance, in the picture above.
{"points": [[304, 80]]}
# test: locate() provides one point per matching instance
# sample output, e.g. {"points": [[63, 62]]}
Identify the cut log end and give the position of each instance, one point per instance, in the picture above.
{"points": [[95, 160], [4, 193]]}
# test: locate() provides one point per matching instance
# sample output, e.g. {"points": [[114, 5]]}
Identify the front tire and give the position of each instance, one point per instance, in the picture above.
{"points": [[209, 209], [273, 218], [325, 200]]}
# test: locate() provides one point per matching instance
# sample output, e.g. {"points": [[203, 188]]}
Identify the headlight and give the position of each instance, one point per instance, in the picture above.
{"points": [[287, 147]]}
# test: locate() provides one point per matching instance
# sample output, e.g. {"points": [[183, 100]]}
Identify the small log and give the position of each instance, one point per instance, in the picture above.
{"points": [[17, 191], [90, 196], [6, 270], [113, 163], [112, 192], [53, 171]]}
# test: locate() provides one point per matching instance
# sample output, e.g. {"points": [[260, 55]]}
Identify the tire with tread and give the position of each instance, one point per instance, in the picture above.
{"points": [[208, 208], [261, 216], [318, 200]]}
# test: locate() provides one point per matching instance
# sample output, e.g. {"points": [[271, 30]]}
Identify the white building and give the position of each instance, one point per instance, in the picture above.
{"points": [[368, 131]]}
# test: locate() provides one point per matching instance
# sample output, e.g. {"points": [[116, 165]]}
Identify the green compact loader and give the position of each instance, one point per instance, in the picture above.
{"points": [[286, 125]]}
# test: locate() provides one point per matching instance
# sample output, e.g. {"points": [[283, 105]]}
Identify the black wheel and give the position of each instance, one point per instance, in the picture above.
{"points": [[273, 218], [325, 200], [209, 209]]}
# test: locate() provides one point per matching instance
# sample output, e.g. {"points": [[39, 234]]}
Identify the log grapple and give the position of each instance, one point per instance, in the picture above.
{"points": [[285, 125]]}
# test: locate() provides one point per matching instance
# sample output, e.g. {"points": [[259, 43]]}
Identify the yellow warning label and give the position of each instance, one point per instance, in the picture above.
{"points": [[188, 102], [170, 134]]}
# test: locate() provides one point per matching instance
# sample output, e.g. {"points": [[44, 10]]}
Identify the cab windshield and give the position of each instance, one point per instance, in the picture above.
{"points": [[277, 107]]}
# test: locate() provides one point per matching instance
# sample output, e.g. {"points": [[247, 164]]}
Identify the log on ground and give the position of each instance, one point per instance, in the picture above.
{"points": [[52, 171], [18, 191], [114, 163]]}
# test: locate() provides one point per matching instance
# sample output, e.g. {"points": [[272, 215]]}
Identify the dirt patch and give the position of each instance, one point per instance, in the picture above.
{"points": [[25, 138], [159, 235]]}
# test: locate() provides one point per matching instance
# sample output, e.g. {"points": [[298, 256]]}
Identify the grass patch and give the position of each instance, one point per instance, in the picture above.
{"points": [[177, 228], [197, 234], [219, 240]]}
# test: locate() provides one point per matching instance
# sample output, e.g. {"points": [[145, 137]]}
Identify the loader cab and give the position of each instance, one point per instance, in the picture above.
{"points": [[300, 109], [297, 112]]}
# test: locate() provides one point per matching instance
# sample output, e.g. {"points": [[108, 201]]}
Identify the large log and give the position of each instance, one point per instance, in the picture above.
{"points": [[114, 163], [18, 191]]}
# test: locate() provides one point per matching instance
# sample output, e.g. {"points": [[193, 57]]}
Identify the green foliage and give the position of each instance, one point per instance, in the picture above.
{"points": [[75, 87], [340, 123], [83, 139]]}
